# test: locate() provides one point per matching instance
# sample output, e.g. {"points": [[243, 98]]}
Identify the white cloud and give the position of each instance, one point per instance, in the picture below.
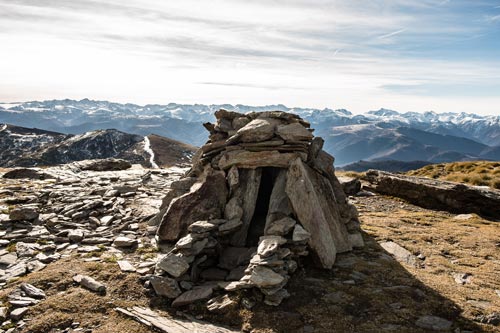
{"points": [[307, 53]]}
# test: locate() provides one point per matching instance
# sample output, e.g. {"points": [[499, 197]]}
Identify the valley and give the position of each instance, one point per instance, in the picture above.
{"points": [[373, 136]]}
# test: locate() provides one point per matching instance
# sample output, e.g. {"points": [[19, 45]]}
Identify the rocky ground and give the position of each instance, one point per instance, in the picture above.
{"points": [[420, 270]]}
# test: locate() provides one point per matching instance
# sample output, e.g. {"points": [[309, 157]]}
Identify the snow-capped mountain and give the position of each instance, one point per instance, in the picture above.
{"points": [[376, 135]]}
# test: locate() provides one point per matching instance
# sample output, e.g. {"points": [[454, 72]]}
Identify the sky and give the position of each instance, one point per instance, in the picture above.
{"points": [[405, 55]]}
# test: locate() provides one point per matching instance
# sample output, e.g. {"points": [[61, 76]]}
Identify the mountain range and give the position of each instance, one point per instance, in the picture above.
{"points": [[373, 136], [25, 147]]}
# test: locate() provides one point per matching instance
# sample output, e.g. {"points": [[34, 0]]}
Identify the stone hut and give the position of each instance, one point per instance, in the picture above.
{"points": [[260, 194]]}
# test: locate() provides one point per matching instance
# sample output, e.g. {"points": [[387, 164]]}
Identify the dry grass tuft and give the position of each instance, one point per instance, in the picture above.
{"points": [[479, 173]]}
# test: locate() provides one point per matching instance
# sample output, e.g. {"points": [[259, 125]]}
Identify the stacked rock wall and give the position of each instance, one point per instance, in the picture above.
{"points": [[260, 194]]}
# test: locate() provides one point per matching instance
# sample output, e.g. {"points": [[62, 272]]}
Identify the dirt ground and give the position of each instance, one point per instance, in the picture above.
{"points": [[367, 291]]}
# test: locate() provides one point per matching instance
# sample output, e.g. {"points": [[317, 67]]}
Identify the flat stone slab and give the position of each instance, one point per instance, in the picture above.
{"points": [[173, 265], [265, 277], [252, 160], [151, 318], [438, 194], [126, 266], [164, 286], [434, 323], [192, 296]]}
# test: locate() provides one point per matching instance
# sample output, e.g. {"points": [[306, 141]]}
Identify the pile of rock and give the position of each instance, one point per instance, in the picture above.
{"points": [[44, 219], [261, 193]]}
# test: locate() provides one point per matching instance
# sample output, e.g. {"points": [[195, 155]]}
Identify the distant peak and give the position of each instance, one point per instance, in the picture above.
{"points": [[384, 112]]}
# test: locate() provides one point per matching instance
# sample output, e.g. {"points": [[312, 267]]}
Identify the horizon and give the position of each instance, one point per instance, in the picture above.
{"points": [[407, 55], [3, 103]]}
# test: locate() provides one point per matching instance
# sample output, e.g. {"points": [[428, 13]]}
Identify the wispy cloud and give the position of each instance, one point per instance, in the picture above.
{"points": [[391, 34], [495, 18], [251, 85]]}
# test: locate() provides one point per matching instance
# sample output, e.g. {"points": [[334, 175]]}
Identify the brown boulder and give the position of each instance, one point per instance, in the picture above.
{"points": [[205, 200], [436, 194], [255, 131], [294, 132], [312, 198]]}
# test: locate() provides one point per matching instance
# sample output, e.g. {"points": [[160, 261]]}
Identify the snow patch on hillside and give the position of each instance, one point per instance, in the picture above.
{"points": [[147, 149]]}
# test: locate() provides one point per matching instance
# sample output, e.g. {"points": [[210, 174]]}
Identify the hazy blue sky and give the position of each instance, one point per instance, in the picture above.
{"points": [[441, 55]]}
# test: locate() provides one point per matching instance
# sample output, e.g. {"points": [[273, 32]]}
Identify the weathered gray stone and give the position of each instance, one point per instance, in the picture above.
{"points": [[276, 298], [400, 253], [3, 313], [462, 278], [255, 131], [279, 203], [350, 185], [35, 266], [304, 200], [300, 234], [268, 247], [18, 313], [14, 271], [271, 261], [491, 319], [108, 164], [32, 291], [294, 132], [178, 188], [240, 122], [126, 266], [164, 324], [236, 285], [233, 178], [205, 201], [124, 242], [89, 283], [174, 265], [433, 323], [106, 220], [8, 259], [230, 226], [25, 173], [27, 249], [264, 277], [164, 286], [312, 198], [196, 248], [185, 242], [259, 159], [437, 194], [247, 191], [356, 240], [280, 227], [76, 235], [194, 295], [222, 303], [23, 213], [202, 227], [233, 209]]}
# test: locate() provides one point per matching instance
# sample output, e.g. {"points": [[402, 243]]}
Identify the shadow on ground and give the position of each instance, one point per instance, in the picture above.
{"points": [[367, 291]]}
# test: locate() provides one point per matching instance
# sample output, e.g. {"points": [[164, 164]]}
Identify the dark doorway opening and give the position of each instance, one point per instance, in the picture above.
{"points": [[258, 223]]}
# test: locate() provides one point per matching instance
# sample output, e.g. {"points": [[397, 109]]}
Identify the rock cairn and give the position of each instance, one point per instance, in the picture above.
{"points": [[261, 193]]}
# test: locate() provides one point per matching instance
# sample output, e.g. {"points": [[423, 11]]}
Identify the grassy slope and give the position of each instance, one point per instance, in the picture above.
{"points": [[480, 173]]}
